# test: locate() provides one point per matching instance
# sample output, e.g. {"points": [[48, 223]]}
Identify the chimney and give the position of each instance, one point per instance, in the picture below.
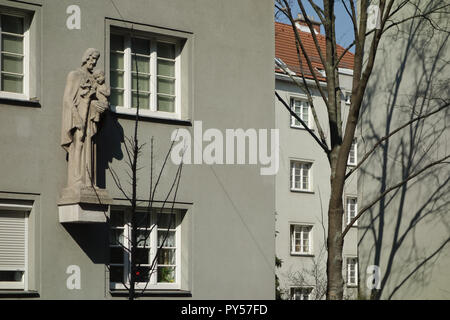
{"points": [[301, 24]]}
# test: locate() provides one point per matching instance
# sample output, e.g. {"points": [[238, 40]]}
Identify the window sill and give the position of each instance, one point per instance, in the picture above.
{"points": [[20, 102], [352, 286], [152, 293], [18, 294], [151, 118], [302, 191], [302, 254], [301, 128]]}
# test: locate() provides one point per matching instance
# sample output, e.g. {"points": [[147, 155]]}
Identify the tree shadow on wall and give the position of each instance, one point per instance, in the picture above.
{"points": [[398, 232]]}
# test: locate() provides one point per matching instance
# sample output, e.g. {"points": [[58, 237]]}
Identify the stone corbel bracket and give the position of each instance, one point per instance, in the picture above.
{"points": [[84, 205]]}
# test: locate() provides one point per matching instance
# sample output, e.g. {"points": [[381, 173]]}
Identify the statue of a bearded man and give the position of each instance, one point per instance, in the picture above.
{"points": [[81, 114]]}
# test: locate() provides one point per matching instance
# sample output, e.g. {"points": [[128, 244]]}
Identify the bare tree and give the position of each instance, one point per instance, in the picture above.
{"points": [[313, 276], [366, 46]]}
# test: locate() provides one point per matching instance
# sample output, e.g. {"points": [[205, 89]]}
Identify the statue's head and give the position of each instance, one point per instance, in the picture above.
{"points": [[90, 58]]}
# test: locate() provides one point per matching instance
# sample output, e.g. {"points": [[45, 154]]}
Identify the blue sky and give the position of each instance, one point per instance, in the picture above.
{"points": [[344, 27]]}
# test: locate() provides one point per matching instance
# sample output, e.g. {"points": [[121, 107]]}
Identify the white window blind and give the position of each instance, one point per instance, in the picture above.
{"points": [[12, 241]]}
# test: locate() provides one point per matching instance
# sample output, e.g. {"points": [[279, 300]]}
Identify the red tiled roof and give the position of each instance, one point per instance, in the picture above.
{"points": [[285, 50]]}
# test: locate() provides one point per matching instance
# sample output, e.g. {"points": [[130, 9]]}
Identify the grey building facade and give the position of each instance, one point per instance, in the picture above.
{"points": [[223, 243], [404, 239]]}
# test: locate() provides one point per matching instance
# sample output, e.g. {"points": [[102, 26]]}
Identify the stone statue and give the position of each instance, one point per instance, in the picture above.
{"points": [[85, 100]]}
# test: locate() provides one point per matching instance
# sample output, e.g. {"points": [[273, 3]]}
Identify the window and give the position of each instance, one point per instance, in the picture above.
{"points": [[301, 239], [352, 271], [347, 97], [301, 109], [301, 293], [158, 244], [352, 155], [13, 249], [145, 70], [352, 209], [300, 176], [14, 55]]}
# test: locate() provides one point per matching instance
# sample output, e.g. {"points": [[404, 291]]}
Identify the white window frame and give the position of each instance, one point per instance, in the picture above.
{"points": [[293, 164], [25, 210], [25, 95], [292, 293], [152, 284], [349, 270], [152, 111], [354, 149], [348, 211], [293, 120], [292, 232]]}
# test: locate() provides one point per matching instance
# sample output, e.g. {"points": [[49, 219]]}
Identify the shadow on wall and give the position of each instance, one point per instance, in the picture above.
{"points": [[407, 232], [92, 239], [109, 146]]}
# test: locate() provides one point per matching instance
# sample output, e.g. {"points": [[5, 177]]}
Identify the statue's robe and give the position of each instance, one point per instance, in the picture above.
{"points": [[78, 143]]}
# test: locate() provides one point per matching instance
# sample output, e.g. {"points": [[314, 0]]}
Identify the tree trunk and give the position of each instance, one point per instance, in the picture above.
{"points": [[335, 240], [335, 244]]}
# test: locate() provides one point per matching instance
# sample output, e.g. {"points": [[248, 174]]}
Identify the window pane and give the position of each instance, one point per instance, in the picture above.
{"points": [[140, 46], [142, 220], [143, 238], [116, 237], [143, 64], [166, 274], [166, 220], [166, 104], [142, 274], [142, 256], [144, 100], [11, 276], [116, 42], [168, 237], [166, 256], [142, 80], [297, 182], [116, 255], [116, 61], [11, 83], [116, 218], [117, 79], [115, 273], [116, 97], [166, 86], [305, 115], [166, 68], [12, 44], [12, 24], [166, 50], [12, 64]]}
